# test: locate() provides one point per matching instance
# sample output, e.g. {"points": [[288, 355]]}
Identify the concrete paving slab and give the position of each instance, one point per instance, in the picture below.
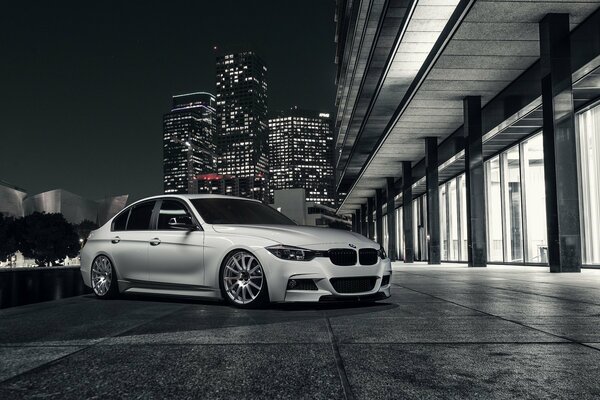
{"points": [[473, 371], [186, 372], [16, 360]]}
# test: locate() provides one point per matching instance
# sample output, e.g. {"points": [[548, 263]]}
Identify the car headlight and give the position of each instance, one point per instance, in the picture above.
{"points": [[381, 253], [291, 253]]}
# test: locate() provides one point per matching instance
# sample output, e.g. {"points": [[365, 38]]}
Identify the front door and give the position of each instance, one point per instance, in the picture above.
{"points": [[176, 254]]}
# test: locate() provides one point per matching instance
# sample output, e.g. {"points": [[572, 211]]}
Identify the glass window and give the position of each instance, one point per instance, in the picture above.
{"points": [[453, 239], [238, 212], [494, 209], [443, 223], [139, 218], [172, 209], [385, 234], [399, 234], [513, 234], [121, 221], [588, 124], [462, 200], [534, 195]]}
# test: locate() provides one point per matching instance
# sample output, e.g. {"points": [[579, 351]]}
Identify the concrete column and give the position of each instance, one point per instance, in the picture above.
{"points": [[407, 215], [378, 218], [363, 222], [370, 225], [354, 225], [391, 220], [433, 200], [560, 153], [475, 183], [358, 221]]}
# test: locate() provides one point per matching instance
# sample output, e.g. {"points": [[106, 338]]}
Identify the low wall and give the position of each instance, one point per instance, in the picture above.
{"points": [[20, 286]]}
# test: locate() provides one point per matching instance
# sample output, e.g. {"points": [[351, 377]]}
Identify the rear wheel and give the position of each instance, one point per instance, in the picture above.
{"points": [[104, 278], [243, 283]]}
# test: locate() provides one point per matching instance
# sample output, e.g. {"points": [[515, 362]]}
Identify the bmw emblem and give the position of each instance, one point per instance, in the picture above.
{"points": [[351, 245]]}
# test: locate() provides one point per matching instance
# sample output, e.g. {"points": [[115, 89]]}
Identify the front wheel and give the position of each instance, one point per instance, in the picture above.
{"points": [[104, 278], [243, 283]]}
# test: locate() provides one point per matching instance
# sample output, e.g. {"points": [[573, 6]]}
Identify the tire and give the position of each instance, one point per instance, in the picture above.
{"points": [[104, 278], [242, 280]]}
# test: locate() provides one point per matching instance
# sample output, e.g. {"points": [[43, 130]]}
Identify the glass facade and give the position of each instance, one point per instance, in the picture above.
{"points": [[515, 204], [453, 220], [588, 146], [301, 154]]}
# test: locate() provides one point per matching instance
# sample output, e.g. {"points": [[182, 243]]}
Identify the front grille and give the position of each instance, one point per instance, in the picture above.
{"points": [[353, 285], [367, 256], [342, 256]]}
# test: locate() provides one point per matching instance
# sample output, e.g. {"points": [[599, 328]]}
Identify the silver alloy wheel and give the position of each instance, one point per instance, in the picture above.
{"points": [[243, 278], [101, 275]]}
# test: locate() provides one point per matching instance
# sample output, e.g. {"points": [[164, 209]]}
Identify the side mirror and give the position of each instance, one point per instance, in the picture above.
{"points": [[183, 223]]}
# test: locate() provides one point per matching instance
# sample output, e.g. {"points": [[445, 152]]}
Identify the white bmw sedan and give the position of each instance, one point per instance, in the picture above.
{"points": [[232, 248]]}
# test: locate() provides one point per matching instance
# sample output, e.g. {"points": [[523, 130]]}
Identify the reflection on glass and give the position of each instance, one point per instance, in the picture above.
{"points": [[513, 234], [536, 245], [494, 209], [588, 124]]}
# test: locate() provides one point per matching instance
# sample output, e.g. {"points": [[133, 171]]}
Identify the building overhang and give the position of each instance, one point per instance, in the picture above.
{"points": [[488, 49]]}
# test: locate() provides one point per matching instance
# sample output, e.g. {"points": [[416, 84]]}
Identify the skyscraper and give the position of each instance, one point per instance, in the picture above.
{"points": [[242, 122], [301, 154], [189, 147]]}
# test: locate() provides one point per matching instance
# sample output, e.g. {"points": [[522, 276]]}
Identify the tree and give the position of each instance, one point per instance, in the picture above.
{"points": [[85, 227], [47, 238], [8, 237]]}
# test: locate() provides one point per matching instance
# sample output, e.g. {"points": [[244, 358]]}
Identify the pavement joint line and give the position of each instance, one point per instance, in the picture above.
{"points": [[339, 362], [83, 347], [511, 290], [514, 322]]}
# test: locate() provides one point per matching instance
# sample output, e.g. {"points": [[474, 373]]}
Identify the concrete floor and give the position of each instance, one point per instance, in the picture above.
{"points": [[447, 332]]}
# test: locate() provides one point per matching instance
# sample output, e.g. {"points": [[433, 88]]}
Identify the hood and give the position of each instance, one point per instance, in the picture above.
{"points": [[293, 235]]}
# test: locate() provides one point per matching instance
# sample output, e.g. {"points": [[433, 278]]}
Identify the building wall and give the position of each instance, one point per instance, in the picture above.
{"points": [[74, 207], [242, 121], [292, 204], [301, 154], [189, 147], [11, 200]]}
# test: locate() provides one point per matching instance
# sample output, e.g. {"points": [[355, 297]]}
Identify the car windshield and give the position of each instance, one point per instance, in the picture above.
{"points": [[239, 212]]}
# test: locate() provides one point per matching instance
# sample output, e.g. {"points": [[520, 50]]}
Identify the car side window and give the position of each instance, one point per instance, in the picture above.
{"points": [[140, 216], [121, 221], [172, 211]]}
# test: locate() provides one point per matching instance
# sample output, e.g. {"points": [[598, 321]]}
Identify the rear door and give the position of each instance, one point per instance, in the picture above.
{"points": [[176, 256], [130, 242]]}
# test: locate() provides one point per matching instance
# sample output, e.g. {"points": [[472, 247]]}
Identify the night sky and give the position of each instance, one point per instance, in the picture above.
{"points": [[84, 85]]}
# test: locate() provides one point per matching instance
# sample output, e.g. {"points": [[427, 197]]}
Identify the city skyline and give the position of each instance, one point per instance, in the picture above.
{"points": [[109, 101]]}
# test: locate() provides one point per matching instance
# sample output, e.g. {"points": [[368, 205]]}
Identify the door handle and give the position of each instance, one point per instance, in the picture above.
{"points": [[116, 239], [155, 242]]}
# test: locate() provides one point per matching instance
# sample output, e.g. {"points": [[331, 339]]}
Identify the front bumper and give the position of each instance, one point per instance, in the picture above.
{"points": [[321, 270]]}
